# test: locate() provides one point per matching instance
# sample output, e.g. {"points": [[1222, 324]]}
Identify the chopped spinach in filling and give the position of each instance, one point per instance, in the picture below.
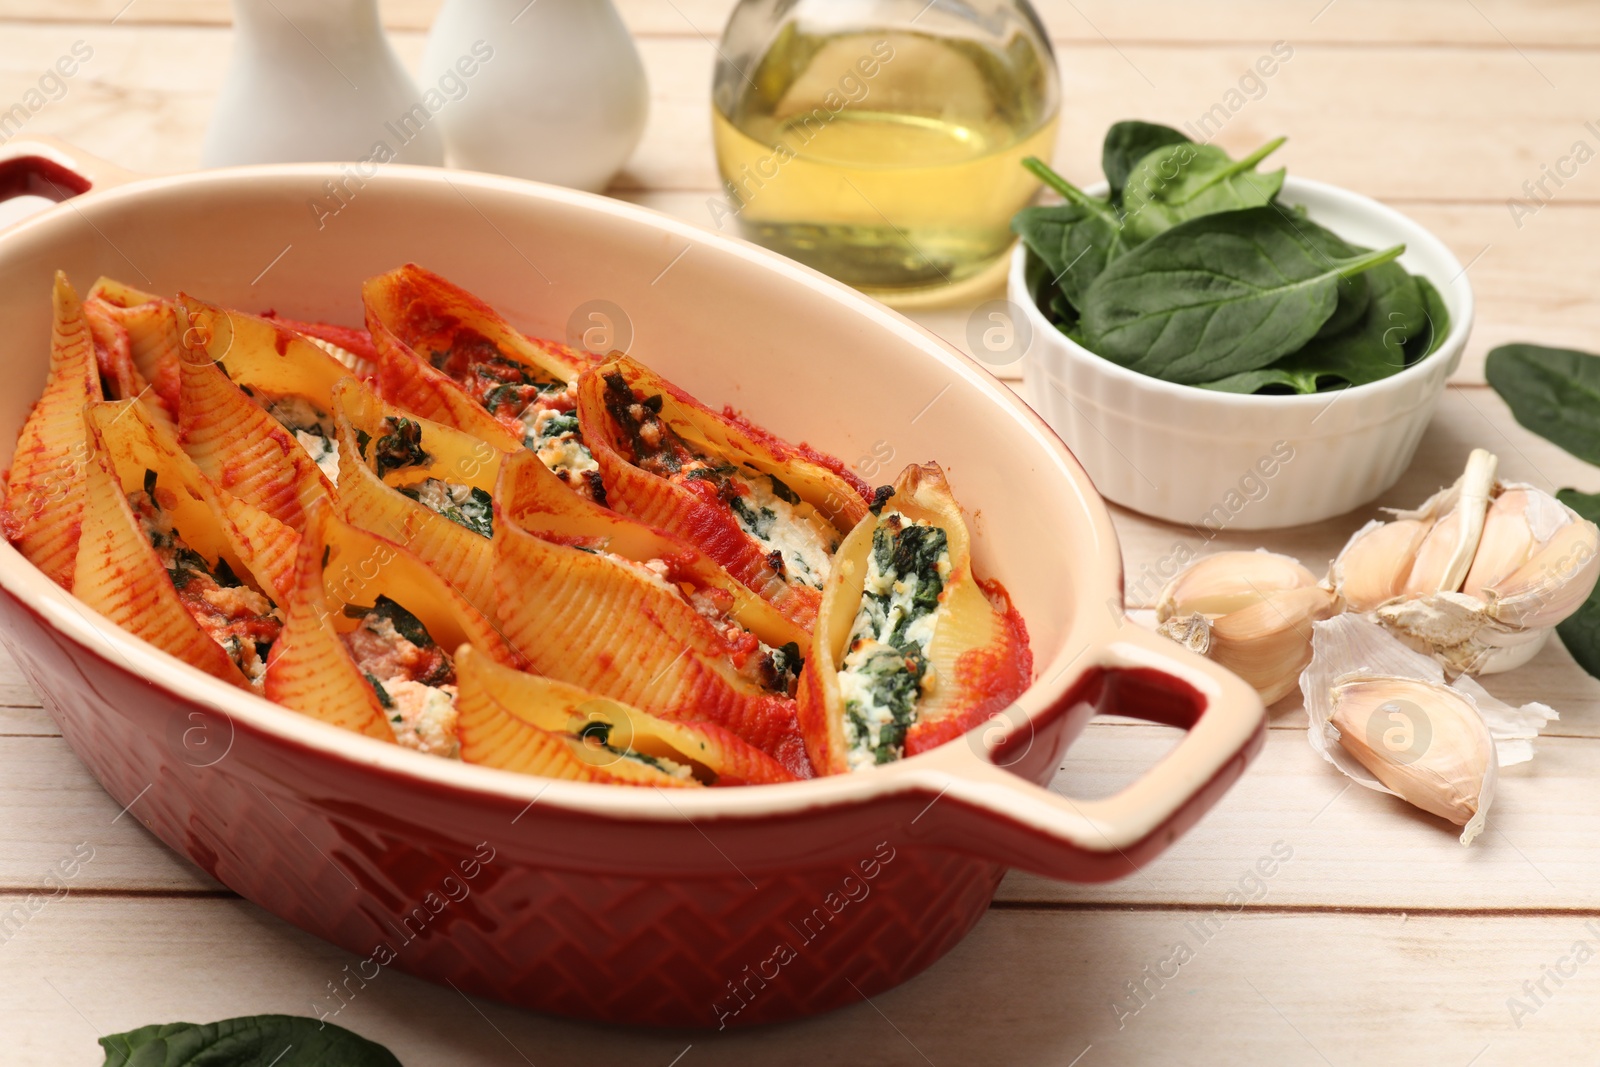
{"points": [[794, 536], [464, 505], [539, 403], [399, 447], [597, 735], [885, 671], [412, 677], [242, 620]]}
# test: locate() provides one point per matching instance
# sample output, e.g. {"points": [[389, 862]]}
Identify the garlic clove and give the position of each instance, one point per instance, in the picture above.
{"points": [[1375, 563], [1507, 540], [1446, 553], [1553, 583], [1268, 643], [1424, 741], [1355, 648], [1228, 581]]}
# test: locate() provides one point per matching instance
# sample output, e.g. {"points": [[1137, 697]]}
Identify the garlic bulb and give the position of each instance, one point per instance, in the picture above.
{"points": [[1478, 575], [1382, 713], [1249, 611]]}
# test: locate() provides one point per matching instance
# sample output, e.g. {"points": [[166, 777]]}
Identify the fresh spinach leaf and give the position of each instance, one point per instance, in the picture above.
{"points": [[1431, 340], [1555, 392], [1126, 144], [1396, 319], [1355, 294], [1186, 181], [1073, 243], [250, 1041], [1216, 296], [1075, 239], [1580, 632], [1272, 378]]}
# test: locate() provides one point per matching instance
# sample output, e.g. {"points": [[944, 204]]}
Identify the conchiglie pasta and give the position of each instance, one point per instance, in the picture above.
{"points": [[366, 634], [154, 339], [45, 489], [214, 523], [535, 499], [241, 447], [522, 722], [618, 628], [911, 649], [448, 356], [142, 571], [771, 513], [310, 669], [420, 483]]}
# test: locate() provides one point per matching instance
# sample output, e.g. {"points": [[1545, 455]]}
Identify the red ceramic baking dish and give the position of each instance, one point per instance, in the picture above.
{"points": [[727, 907]]}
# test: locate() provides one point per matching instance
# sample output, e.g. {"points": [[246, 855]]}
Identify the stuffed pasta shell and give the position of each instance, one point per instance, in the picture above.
{"points": [[154, 340], [421, 483], [45, 488], [161, 556], [911, 649], [368, 629], [631, 630], [771, 513], [448, 356], [522, 722], [277, 370], [767, 644]]}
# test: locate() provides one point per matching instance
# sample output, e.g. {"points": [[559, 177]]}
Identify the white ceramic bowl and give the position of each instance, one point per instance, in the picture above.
{"points": [[1226, 461]]}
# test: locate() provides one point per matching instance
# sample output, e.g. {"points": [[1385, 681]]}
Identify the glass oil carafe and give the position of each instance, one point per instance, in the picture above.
{"points": [[880, 141]]}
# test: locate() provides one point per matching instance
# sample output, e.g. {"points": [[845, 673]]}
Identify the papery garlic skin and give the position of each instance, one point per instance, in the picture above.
{"points": [[1249, 611], [1422, 740], [1446, 553], [1350, 650]]}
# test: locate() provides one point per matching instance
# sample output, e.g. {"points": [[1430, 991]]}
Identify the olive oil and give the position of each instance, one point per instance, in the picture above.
{"points": [[889, 160]]}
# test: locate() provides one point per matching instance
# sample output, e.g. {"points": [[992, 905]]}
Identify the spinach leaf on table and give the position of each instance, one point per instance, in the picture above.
{"points": [[1126, 144], [1555, 392], [1581, 630], [1180, 182], [248, 1041], [1216, 296]]}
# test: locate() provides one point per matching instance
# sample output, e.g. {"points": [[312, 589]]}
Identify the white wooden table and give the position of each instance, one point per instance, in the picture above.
{"points": [[1380, 941]]}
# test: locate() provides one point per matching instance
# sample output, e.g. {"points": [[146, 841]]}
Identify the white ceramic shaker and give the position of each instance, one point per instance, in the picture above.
{"points": [[316, 81], [562, 99]]}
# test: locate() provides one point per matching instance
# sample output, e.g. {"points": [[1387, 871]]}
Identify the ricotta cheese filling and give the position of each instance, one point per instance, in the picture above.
{"points": [[885, 672], [554, 437], [541, 404], [242, 620], [413, 678], [464, 505], [312, 428], [796, 539]]}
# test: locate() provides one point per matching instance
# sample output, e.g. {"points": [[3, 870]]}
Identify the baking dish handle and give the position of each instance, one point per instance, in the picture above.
{"points": [[54, 169], [987, 810]]}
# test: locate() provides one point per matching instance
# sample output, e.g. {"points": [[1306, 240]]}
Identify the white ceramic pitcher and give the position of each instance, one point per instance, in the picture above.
{"points": [[316, 81], [563, 100]]}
